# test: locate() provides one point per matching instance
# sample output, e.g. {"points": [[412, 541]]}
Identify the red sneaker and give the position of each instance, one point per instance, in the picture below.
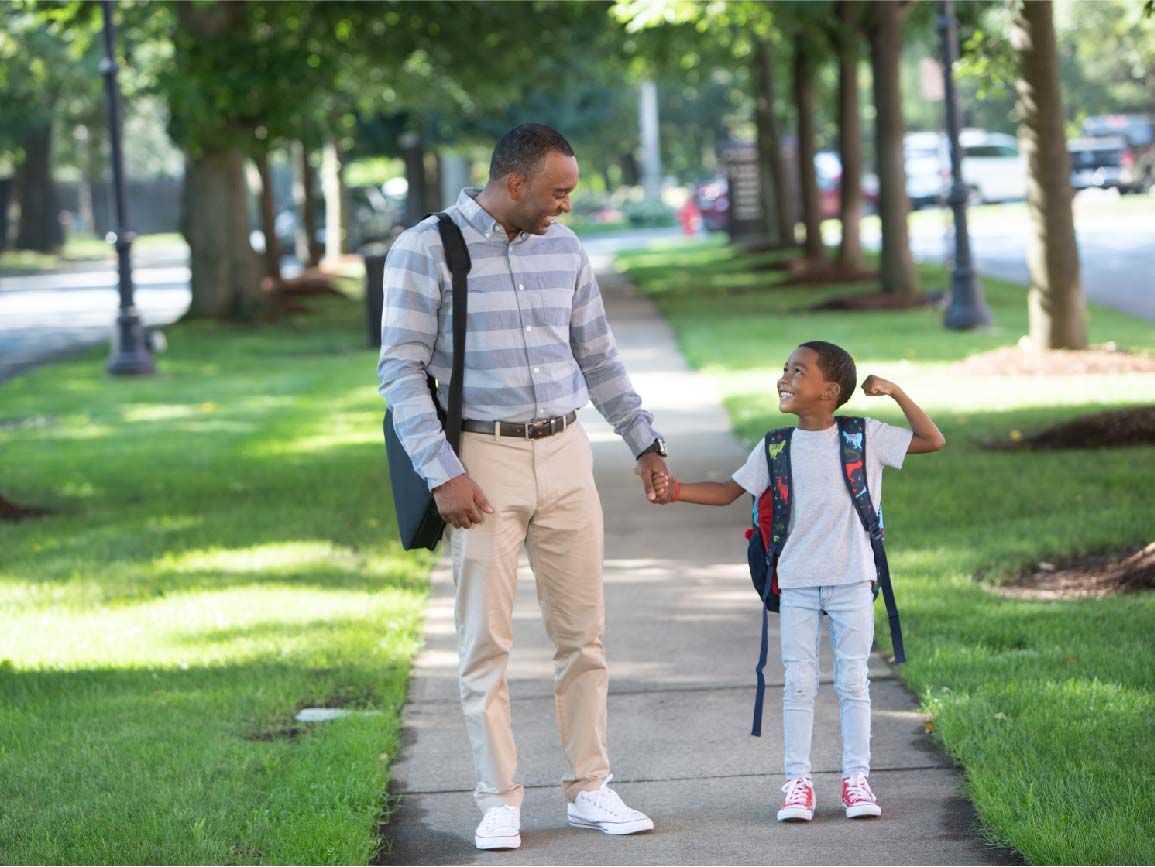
{"points": [[858, 799], [799, 803]]}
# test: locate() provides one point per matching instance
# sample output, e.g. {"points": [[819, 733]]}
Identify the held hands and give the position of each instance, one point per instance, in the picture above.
{"points": [[660, 486], [876, 386], [655, 477], [461, 502]]}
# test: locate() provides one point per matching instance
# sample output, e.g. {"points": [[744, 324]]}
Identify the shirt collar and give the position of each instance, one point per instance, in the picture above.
{"points": [[480, 218]]}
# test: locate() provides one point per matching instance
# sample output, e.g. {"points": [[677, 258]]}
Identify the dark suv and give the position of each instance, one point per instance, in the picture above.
{"points": [[1118, 151]]}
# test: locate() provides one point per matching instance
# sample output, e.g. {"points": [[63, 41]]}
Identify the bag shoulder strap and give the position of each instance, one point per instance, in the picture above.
{"points": [[852, 450], [777, 449], [459, 262]]}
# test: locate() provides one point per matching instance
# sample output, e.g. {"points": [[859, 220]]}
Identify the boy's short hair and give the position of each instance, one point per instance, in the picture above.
{"points": [[523, 149], [837, 366]]}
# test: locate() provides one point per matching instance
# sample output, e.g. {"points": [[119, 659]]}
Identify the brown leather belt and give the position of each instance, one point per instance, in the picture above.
{"points": [[534, 430]]}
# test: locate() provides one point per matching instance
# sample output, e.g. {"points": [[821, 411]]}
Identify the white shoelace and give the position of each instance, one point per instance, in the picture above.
{"points": [[857, 789], [607, 799], [796, 792], [504, 817]]}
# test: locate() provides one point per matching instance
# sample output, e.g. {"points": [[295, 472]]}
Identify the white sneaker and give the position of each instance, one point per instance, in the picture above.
{"points": [[499, 829], [603, 810], [799, 803]]}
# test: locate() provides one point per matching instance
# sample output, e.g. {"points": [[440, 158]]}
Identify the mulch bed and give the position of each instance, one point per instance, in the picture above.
{"points": [[10, 511], [1087, 577], [1118, 428], [877, 301], [1016, 361]]}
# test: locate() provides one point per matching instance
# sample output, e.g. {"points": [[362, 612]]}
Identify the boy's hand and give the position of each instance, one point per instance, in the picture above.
{"points": [[663, 487], [876, 386]]}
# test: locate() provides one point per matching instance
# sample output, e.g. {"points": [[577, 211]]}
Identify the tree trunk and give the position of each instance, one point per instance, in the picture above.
{"points": [[215, 223], [333, 187], [305, 194], [807, 175], [897, 266], [1055, 300], [272, 255], [850, 197], [779, 225], [433, 175], [39, 226]]}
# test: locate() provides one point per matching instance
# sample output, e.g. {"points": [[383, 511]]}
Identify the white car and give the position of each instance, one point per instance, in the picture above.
{"points": [[993, 168]]}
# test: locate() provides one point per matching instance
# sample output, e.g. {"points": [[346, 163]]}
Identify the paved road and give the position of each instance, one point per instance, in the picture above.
{"points": [[1116, 248]]}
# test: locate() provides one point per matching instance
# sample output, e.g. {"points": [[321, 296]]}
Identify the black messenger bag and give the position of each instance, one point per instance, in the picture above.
{"points": [[418, 521]]}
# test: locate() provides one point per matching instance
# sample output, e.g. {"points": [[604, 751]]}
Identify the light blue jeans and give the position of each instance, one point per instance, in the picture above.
{"points": [[850, 607]]}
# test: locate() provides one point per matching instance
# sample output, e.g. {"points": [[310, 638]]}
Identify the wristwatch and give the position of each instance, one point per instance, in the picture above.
{"points": [[658, 447]]}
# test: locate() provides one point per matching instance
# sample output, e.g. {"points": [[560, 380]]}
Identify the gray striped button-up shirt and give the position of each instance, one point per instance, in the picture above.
{"points": [[537, 340]]}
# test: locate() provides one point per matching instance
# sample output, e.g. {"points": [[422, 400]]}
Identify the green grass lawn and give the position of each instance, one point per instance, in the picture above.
{"points": [[219, 555], [1047, 706]]}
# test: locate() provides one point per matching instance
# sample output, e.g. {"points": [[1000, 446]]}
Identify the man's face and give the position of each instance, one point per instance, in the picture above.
{"points": [[545, 195], [802, 386]]}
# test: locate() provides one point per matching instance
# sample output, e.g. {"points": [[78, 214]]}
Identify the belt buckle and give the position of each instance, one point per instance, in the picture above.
{"points": [[540, 428]]}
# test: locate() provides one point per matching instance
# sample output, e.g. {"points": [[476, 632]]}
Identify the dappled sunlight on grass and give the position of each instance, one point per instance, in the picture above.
{"points": [[211, 628]]}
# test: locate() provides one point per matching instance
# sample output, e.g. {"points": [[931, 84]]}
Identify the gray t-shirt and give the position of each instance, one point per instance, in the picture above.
{"points": [[827, 543]]}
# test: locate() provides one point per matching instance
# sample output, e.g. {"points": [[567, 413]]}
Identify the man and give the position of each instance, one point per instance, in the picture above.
{"points": [[538, 346]]}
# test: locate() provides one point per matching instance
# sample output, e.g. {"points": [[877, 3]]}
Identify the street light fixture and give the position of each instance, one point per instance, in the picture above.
{"points": [[130, 356], [967, 308]]}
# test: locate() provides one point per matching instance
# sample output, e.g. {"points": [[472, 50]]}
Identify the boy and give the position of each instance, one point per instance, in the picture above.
{"points": [[826, 565]]}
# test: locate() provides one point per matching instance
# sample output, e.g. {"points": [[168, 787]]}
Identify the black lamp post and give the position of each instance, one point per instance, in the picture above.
{"points": [[967, 308], [130, 356]]}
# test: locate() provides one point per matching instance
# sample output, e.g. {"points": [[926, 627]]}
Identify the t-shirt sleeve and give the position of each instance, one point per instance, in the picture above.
{"points": [[753, 475], [886, 443]]}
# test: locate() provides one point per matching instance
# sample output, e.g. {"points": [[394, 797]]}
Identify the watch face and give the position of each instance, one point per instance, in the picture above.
{"points": [[662, 448]]}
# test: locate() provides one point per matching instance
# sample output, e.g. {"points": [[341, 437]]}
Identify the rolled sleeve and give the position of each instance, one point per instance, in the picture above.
{"points": [[409, 329], [596, 353]]}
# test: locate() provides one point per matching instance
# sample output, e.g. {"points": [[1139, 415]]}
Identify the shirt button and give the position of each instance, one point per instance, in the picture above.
{"points": [[529, 328], [537, 370], [521, 286]]}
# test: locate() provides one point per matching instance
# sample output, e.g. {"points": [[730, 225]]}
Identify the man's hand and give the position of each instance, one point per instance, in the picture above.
{"points": [[876, 386], [461, 502], [652, 468]]}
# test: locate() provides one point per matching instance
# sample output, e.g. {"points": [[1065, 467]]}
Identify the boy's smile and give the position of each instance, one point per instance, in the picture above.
{"points": [[803, 389]]}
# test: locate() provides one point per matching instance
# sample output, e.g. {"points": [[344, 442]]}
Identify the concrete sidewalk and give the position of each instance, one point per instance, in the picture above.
{"points": [[682, 640]]}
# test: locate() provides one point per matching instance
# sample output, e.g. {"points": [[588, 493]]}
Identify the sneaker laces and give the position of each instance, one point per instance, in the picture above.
{"points": [[857, 789], [797, 792], [505, 815], [607, 799]]}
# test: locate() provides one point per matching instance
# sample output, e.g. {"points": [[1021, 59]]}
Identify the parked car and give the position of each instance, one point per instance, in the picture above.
{"points": [[714, 203], [1118, 152], [371, 218], [828, 165], [993, 168]]}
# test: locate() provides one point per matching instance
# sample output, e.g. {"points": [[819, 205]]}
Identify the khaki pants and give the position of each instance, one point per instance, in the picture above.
{"points": [[543, 496]]}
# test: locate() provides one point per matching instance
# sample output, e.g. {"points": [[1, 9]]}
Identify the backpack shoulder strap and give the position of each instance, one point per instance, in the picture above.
{"points": [[459, 262], [778, 463], [852, 450]]}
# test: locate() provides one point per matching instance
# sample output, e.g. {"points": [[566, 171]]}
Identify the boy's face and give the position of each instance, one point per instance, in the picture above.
{"points": [[803, 388]]}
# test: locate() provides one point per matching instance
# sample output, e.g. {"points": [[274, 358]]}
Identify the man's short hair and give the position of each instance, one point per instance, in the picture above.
{"points": [[836, 366], [523, 149]]}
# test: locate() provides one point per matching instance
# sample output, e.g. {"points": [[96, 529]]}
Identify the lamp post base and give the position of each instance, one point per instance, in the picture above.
{"points": [[130, 356]]}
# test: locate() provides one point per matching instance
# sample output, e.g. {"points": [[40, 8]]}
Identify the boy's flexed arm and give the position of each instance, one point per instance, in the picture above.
{"points": [[927, 437]]}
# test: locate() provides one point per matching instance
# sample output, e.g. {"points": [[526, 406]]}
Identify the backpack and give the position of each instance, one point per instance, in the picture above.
{"points": [[771, 525]]}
